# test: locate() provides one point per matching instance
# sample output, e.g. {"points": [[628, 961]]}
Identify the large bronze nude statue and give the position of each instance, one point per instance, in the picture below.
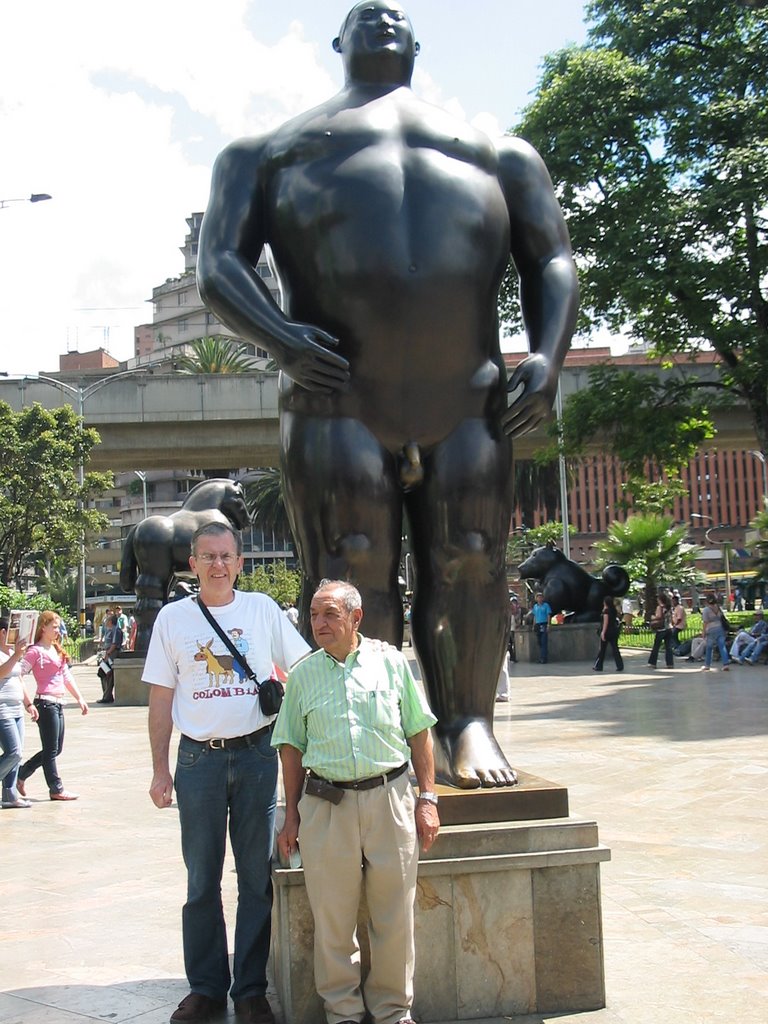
{"points": [[391, 224]]}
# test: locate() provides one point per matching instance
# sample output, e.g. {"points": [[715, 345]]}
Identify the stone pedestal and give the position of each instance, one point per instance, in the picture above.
{"points": [[129, 689], [507, 922], [576, 642]]}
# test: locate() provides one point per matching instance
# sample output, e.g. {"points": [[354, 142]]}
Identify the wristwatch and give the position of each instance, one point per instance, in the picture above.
{"points": [[429, 797]]}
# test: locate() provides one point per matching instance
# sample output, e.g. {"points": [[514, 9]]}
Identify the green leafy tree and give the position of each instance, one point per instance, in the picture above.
{"points": [[653, 550], [656, 135], [265, 499], [760, 524], [276, 579], [40, 496], [655, 497], [216, 355], [522, 543], [639, 417]]}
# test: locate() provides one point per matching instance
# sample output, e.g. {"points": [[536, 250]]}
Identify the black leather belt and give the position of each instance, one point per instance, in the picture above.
{"points": [[370, 783], [235, 743]]}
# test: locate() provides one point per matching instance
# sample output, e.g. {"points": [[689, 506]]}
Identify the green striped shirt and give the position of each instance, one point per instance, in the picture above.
{"points": [[351, 721]]}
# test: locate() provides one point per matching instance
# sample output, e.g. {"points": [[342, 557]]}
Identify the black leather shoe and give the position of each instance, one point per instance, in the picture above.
{"points": [[254, 1010], [198, 1009]]}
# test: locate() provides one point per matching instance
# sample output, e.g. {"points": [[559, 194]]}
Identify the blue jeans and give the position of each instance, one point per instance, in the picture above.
{"points": [[212, 785], [51, 726], [753, 650], [12, 745], [716, 636], [662, 636]]}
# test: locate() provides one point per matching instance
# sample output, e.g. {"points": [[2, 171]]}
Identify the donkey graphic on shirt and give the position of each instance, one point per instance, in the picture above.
{"points": [[219, 667]]}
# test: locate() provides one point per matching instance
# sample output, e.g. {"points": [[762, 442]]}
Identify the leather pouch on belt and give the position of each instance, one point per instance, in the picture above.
{"points": [[324, 790]]}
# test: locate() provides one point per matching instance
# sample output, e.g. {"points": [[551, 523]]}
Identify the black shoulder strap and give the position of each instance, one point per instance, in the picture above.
{"points": [[223, 636]]}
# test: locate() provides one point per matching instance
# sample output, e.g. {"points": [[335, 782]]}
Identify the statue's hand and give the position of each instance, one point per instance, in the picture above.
{"points": [[534, 403], [306, 357]]}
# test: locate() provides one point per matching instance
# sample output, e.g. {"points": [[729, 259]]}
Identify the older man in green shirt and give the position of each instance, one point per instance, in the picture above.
{"points": [[351, 719]]}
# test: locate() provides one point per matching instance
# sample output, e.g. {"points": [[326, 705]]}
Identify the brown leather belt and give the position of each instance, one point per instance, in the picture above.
{"points": [[370, 783], [235, 743]]}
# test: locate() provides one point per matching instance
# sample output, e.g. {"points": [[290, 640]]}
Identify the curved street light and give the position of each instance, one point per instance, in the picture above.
{"points": [[36, 197]]}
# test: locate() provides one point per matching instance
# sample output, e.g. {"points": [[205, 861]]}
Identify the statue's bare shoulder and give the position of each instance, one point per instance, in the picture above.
{"points": [[535, 217]]}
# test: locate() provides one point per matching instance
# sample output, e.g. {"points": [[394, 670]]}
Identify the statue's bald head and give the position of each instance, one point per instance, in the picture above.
{"points": [[377, 44]]}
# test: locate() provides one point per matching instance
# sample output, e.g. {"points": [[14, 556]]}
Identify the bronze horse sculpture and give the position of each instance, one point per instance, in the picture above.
{"points": [[157, 549]]}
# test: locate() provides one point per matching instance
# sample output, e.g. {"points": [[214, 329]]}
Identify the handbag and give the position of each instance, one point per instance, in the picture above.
{"points": [[271, 691], [105, 666]]}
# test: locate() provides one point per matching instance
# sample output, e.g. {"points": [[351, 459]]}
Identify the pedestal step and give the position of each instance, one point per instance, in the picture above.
{"points": [[508, 922]]}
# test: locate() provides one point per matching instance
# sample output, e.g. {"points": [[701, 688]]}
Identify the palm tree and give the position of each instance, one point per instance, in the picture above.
{"points": [[652, 549], [216, 355], [266, 503]]}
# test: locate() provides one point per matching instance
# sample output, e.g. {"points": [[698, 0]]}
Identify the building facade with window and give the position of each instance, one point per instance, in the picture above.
{"points": [[179, 314], [724, 482]]}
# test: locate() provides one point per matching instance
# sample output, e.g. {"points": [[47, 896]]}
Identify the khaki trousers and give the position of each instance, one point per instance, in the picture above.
{"points": [[369, 839]]}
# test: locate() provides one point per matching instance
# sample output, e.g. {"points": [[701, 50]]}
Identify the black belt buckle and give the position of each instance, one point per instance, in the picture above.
{"points": [[324, 790], [236, 742]]}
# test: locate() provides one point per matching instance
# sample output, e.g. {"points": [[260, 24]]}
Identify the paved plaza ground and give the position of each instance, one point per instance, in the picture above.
{"points": [[673, 765]]}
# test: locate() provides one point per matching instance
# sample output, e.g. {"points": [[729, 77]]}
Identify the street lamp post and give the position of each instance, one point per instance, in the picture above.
{"points": [[760, 456], [143, 477], [563, 473], [82, 393]]}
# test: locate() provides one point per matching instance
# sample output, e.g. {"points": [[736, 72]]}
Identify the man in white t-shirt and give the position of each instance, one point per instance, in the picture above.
{"points": [[226, 769]]}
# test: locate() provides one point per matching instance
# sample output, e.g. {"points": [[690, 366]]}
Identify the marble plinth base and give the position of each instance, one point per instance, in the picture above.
{"points": [[129, 689], [577, 642], [507, 922]]}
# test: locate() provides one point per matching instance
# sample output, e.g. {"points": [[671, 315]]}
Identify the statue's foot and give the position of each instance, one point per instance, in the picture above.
{"points": [[468, 756]]}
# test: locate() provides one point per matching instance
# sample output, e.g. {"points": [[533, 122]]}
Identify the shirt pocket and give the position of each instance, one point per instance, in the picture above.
{"points": [[381, 709]]}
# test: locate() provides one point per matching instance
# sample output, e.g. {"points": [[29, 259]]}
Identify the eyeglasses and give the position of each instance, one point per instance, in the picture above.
{"points": [[208, 558]]}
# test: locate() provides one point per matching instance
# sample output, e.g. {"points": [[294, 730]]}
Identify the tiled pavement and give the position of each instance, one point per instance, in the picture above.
{"points": [[672, 765]]}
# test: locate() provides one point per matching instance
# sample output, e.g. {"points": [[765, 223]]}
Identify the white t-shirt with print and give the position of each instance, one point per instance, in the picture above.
{"points": [[212, 698]]}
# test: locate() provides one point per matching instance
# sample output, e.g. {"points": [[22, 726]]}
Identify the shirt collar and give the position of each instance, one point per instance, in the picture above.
{"points": [[353, 655]]}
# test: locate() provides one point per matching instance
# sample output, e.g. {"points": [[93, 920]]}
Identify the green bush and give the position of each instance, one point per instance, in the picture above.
{"points": [[10, 598]]}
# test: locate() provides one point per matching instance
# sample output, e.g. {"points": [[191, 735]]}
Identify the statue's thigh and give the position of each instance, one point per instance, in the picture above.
{"points": [[339, 480], [467, 488]]}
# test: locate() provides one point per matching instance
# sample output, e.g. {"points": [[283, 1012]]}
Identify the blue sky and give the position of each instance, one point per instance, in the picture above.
{"points": [[118, 110]]}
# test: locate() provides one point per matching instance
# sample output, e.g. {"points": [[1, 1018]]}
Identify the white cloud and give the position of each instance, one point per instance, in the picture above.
{"points": [[93, 109]]}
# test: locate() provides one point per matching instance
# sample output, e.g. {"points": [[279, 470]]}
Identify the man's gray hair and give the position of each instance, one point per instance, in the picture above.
{"points": [[217, 530], [350, 596]]}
